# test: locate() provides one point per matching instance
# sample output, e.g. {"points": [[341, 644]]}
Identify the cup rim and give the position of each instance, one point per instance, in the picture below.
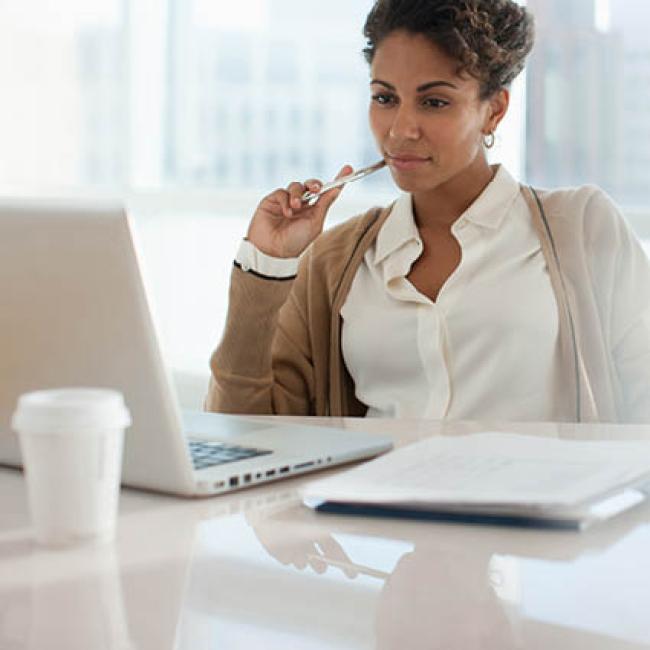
{"points": [[64, 410]]}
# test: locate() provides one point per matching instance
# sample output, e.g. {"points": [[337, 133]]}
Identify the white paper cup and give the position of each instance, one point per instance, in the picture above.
{"points": [[71, 441]]}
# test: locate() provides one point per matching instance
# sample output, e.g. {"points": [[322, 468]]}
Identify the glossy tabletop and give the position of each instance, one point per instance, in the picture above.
{"points": [[257, 569]]}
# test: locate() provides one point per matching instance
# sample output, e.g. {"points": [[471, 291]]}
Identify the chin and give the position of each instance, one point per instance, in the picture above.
{"points": [[412, 184]]}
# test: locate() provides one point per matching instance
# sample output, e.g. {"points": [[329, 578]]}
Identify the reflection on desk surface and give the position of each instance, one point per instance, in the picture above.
{"points": [[350, 584]]}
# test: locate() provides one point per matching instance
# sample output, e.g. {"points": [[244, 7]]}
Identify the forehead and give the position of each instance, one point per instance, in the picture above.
{"points": [[408, 59]]}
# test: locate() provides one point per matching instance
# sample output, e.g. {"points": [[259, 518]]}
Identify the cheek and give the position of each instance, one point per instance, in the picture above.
{"points": [[458, 135], [379, 124]]}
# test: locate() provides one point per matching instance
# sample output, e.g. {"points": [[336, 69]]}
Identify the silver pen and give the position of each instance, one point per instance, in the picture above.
{"points": [[312, 197]]}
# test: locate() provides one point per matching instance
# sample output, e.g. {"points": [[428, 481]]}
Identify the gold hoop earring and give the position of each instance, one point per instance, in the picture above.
{"points": [[489, 140]]}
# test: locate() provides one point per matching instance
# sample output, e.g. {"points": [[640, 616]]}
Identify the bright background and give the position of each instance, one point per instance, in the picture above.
{"points": [[191, 110]]}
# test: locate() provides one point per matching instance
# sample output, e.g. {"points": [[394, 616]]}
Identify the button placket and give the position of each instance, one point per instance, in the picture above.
{"points": [[431, 346], [467, 240]]}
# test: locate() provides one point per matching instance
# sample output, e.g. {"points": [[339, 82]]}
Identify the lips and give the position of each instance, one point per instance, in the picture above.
{"points": [[406, 161]]}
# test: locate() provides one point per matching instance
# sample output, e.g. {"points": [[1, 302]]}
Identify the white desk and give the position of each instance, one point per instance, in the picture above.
{"points": [[246, 571]]}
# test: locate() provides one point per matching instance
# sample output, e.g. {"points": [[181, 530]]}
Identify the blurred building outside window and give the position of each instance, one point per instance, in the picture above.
{"points": [[192, 110]]}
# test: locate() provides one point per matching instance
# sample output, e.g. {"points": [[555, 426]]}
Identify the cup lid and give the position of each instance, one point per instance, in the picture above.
{"points": [[64, 410]]}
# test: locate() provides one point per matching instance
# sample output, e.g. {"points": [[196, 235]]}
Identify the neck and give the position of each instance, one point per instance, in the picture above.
{"points": [[443, 205]]}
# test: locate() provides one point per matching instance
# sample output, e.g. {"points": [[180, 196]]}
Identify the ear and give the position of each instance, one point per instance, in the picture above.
{"points": [[497, 108]]}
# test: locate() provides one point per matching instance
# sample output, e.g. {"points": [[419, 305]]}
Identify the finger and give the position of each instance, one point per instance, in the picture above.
{"points": [[350, 570], [295, 190], [345, 170], [313, 184], [278, 203], [281, 555], [331, 548], [330, 196], [317, 564]]}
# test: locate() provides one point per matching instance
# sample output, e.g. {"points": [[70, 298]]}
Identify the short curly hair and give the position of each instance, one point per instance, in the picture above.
{"points": [[489, 38]]}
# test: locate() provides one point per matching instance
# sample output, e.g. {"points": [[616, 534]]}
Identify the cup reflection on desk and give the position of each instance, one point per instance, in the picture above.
{"points": [[85, 612]]}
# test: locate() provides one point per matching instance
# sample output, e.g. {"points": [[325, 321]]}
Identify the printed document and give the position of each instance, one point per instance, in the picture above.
{"points": [[498, 473]]}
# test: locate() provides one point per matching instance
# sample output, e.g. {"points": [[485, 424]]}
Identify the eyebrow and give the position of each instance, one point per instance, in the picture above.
{"points": [[420, 89]]}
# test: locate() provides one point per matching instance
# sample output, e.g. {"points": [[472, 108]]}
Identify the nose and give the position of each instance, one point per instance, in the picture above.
{"points": [[405, 125]]}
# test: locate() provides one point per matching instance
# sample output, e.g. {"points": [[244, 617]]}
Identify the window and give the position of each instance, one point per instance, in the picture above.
{"points": [[587, 99], [193, 109], [61, 114]]}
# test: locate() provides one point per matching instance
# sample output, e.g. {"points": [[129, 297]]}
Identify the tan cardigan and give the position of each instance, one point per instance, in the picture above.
{"points": [[281, 347]]}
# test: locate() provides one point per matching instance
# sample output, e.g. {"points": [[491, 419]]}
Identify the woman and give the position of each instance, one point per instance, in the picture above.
{"points": [[468, 298]]}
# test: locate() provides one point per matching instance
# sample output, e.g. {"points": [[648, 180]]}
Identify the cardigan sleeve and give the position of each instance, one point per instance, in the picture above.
{"points": [[263, 363]]}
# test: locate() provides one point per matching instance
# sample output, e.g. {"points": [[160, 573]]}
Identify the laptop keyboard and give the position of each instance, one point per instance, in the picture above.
{"points": [[209, 454]]}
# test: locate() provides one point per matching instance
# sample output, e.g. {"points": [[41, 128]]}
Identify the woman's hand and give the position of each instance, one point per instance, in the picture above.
{"points": [[283, 226]]}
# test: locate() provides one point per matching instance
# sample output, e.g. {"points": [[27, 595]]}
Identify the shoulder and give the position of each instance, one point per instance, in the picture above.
{"points": [[584, 199], [589, 228], [349, 230], [586, 210], [341, 242], [339, 249]]}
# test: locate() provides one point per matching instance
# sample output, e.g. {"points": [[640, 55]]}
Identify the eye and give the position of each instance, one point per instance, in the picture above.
{"points": [[384, 99], [433, 102]]}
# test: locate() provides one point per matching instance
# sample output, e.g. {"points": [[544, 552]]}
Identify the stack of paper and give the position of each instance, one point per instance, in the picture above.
{"points": [[494, 477]]}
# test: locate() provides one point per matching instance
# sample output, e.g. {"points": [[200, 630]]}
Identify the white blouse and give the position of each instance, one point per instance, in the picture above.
{"points": [[486, 349]]}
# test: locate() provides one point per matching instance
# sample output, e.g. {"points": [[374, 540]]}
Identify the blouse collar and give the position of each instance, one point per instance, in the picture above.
{"points": [[488, 210]]}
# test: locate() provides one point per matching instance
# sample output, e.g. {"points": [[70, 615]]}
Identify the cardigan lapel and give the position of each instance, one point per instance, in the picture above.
{"points": [[580, 395]]}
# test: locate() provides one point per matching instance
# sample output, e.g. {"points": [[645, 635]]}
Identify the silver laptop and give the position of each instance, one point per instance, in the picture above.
{"points": [[74, 313]]}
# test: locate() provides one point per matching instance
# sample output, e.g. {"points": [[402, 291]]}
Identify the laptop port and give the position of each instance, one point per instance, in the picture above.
{"points": [[248, 478], [271, 472], [234, 481], [284, 470], [303, 465]]}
